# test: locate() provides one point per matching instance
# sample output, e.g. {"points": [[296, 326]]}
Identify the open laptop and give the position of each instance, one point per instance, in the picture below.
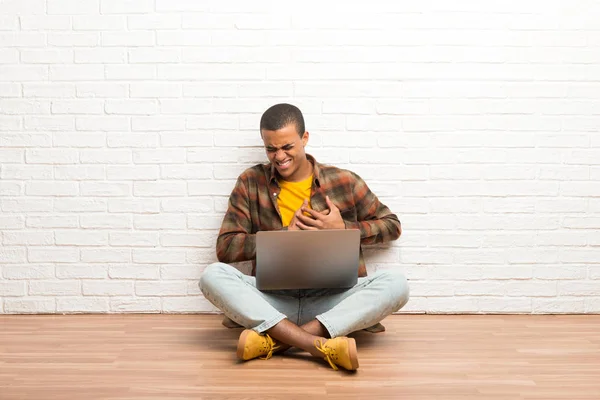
{"points": [[307, 259]]}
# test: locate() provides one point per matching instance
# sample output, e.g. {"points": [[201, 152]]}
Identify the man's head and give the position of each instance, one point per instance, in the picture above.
{"points": [[282, 131]]}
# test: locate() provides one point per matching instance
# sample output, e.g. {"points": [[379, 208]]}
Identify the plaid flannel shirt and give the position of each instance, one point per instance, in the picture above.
{"points": [[253, 207]]}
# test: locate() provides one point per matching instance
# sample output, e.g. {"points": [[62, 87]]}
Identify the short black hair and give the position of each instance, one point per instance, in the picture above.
{"points": [[280, 115]]}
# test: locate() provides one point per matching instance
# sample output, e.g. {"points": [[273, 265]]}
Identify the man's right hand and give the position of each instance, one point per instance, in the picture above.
{"points": [[293, 226]]}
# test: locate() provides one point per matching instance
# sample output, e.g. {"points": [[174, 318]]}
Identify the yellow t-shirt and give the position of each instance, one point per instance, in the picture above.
{"points": [[292, 196]]}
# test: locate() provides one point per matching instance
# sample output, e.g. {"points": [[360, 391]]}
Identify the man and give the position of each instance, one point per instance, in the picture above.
{"points": [[296, 192]]}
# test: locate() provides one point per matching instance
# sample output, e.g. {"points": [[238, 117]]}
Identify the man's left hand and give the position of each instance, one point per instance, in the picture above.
{"points": [[330, 219]]}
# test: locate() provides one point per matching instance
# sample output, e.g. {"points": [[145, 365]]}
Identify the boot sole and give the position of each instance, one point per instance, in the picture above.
{"points": [[242, 344], [353, 353]]}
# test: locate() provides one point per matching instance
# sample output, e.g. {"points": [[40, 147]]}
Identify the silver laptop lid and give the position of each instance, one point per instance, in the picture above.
{"points": [[307, 259]]}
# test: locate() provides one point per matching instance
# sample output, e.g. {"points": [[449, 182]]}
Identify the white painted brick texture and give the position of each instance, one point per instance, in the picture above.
{"points": [[124, 124]]}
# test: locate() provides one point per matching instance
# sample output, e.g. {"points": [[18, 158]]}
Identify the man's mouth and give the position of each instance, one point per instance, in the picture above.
{"points": [[284, 164]]}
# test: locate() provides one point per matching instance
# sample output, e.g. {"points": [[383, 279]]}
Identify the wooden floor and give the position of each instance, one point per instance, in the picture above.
{"points": [[193, 357]]}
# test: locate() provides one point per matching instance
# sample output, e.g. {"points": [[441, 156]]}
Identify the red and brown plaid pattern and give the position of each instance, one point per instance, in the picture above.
{"points": [[253, 207]]}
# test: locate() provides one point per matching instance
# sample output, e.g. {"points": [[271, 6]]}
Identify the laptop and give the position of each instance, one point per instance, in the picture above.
{"points": [[307, 259]]}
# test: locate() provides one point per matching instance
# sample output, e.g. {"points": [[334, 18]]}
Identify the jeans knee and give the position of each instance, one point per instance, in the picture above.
{"points": [[211, 275], [399, 289]]}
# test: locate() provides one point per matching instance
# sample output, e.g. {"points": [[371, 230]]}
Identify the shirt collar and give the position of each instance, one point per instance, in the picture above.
{"points": [[272, 178]]}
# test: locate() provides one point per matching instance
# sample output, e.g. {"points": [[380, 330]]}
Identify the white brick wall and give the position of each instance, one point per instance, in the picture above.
{"points": [[123, 125]]}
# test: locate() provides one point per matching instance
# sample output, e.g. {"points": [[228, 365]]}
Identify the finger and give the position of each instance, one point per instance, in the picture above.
{"points": [[305, 227], [330, 203], [308, 221], [313, 213]]}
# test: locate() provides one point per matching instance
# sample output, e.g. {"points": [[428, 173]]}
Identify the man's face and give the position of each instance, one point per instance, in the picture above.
{"points": [[285, 150]]}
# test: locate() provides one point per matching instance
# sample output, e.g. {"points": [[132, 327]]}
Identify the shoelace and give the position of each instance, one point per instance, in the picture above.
{"points": [[271, 347], [327, 351]]}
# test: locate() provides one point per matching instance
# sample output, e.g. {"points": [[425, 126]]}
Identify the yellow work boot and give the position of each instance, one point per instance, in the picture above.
{"points": [[252, 345], [339, 351]]}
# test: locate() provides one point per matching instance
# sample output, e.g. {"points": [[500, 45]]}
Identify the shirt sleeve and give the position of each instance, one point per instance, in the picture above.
{"points": [[236, 242], [376, 222]]}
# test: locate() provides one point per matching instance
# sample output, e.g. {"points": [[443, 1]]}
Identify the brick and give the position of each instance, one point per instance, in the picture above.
{"points": [[138, 173], [30, 306], [80, 205], [135, 304], [13, 288], [54, 288], [51, 156], [159, 189], [28, 238], [25, 140], [106, 255], [154, 56], [21, 39], [11, 222], [161, 288], [186, 106], [99, 23], [23, 73], [50, 123], [12, 155], [578, 288], [73, 39], [181, 272], [186, 140], [191, 204], [10, 89], [132, 140], [82, 305], [76, 72], [204, 221], [107, 288], [136, 206], [102, 90], [9, 56], [100, 56], [137, 272], [126, 6], [105, 189], [504, 305], [48, 90], [193, 38], [189, 304], [51, 188], [53, 254], [158, 256], [10, 188], [64, 221], [185, 172], [131, 107], [196, 239], [103, 221], [582, 255], [47, 56], [134, 239], [157, 124], [85, 271], [131, 72], [104, 123], [71, 7], [12, 255], [26, 205], [28, 271], [563, 272], [211, 155], [156, 90], [154, 21], [560, 305], [81, 238], [106, 156], [26, 172], [211, 89], [219, 188], [80, 172]]}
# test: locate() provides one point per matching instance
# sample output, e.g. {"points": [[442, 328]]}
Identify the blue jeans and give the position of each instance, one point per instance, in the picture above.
{"points": [[341, 311]]}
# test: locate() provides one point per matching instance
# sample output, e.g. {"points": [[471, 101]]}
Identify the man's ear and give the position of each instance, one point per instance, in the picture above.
{"points": [[305, 138]]}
